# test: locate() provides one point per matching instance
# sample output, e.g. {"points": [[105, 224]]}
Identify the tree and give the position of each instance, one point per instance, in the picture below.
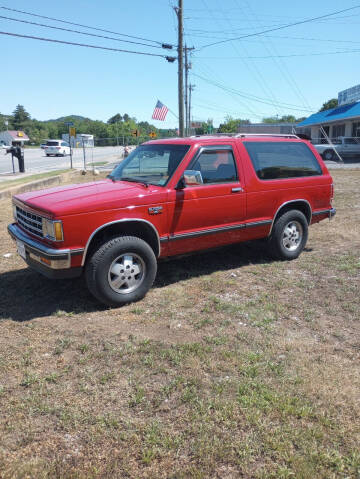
{"points": [[115, 119], [231, 124], [126, 117], [333, 103], [20, 117], [283, 119]]}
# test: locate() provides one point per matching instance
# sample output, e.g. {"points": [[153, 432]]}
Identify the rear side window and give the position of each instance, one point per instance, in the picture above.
{"points": [[277, 160]]}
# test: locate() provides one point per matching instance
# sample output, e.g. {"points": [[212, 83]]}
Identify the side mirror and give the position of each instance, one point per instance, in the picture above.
{"points": [[193, 178]]}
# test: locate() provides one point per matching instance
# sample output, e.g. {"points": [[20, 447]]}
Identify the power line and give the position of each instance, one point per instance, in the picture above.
{"points": [[265, 101], [279, 28], [280, 64], [77, 31], [169, 59], [282, 56], [84, 26]]}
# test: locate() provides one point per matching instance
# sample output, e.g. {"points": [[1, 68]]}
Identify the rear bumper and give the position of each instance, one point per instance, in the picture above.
{"points": [[53, 263], [330, 213]]}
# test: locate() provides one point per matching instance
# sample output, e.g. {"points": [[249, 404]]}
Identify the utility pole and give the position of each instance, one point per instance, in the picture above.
{"points": [[186, 92], [191, 88], [187, 68], [179, 13]]}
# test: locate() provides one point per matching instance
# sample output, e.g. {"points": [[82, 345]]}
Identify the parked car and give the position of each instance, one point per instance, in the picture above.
{"points": [[57, 148], [43, 145], [170, 197], [346, 147], [3, 145]]}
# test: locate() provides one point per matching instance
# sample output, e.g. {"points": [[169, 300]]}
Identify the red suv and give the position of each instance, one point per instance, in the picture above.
{"points": [[170, 197]]}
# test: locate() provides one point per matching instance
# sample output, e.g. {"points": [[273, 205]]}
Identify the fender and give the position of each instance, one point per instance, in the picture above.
{"points": [[115, 222], [301, 200]]}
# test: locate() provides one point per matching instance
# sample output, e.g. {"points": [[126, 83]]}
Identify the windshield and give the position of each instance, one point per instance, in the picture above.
{"points": [[153, 164]]}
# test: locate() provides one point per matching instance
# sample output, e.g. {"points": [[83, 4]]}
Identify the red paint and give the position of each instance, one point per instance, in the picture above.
{"points": [[86, 207]]}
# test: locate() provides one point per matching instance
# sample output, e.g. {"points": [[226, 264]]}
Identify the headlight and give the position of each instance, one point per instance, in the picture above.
{"points": [[52, 230]]}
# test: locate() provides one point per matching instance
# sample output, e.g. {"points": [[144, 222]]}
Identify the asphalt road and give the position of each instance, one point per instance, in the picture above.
{"points": [[37, 162]]}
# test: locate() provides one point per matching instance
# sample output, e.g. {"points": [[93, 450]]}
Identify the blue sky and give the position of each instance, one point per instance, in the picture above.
{"points": [[53, 80]]}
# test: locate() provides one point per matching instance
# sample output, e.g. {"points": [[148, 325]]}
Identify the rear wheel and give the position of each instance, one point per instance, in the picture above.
{"points": [[289, 235], [121, 270]]}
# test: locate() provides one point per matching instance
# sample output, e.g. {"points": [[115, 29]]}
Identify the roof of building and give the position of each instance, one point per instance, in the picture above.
{"points": [[334, 114], [18, 135]]}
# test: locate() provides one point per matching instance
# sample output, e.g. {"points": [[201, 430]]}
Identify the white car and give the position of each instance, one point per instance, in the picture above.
{"points": [[57, 148], [2, 145]]}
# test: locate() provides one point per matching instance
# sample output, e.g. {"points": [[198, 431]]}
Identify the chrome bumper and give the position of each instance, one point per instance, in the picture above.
{"points": [[38, 252]]}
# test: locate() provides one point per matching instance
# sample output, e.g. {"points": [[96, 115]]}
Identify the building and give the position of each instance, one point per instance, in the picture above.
{"points": [[273, 129], [344, 120], [13, 137]]}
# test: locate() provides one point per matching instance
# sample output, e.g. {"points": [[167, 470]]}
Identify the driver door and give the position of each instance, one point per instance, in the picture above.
{"points": [[209, 212]]}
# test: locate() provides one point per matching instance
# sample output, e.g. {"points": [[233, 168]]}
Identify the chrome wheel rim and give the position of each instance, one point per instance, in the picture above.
{"points": [[126, 273], [292, 235]]}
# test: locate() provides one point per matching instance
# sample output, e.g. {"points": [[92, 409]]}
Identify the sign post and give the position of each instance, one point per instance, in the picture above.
{"points": [[70, 124]]}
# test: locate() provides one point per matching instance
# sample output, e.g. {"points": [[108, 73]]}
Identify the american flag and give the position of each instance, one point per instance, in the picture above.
{"points": [[160, 111]]}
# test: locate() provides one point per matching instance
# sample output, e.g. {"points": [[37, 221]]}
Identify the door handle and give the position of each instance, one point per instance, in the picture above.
{"points": [[237, 189]]}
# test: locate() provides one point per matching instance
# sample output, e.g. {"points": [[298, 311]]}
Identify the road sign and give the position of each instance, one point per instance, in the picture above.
{"points": [[69, 123], [135, 133], [152, 134], [72, 131]]}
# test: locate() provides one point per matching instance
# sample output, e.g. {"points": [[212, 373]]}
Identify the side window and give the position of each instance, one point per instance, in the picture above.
{"points": [[216, 166], [276, 160], [64, 143]]}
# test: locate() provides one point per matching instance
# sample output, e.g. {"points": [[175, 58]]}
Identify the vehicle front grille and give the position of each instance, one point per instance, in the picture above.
{"points": [[29, 221]]}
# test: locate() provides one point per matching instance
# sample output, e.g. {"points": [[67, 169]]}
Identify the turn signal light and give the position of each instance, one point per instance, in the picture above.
{"points": [[58, 231]]}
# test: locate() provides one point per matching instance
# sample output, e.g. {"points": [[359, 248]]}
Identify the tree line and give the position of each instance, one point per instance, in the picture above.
{"points": [[117, 129]]}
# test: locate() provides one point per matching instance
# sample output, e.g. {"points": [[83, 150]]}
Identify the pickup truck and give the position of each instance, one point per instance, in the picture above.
{"points": [[171, 197], [344, 146]]}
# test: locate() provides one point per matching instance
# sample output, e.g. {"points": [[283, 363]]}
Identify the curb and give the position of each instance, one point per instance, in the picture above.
{"points": [[38, 184]]}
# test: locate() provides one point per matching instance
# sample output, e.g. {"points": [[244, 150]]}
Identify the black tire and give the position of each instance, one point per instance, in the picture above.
{"points": [[289, 235], [328, 155], [47, 154], [109, 257]]}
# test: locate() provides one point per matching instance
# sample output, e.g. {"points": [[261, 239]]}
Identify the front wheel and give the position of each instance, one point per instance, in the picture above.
{"points": [[289, 235], [121, 270]]}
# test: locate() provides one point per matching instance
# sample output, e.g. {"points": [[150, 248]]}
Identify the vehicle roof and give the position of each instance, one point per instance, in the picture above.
{"points": [[221, 138]]}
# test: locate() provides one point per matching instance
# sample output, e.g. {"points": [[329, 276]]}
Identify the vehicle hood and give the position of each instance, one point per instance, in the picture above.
{"points": [[87, 197]]}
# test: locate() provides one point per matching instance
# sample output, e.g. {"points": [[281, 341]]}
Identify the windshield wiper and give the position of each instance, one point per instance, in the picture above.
{"points": [[135, 180]]}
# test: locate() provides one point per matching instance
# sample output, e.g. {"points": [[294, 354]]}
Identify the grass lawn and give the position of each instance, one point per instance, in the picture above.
{"points": [[233, 365]]}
